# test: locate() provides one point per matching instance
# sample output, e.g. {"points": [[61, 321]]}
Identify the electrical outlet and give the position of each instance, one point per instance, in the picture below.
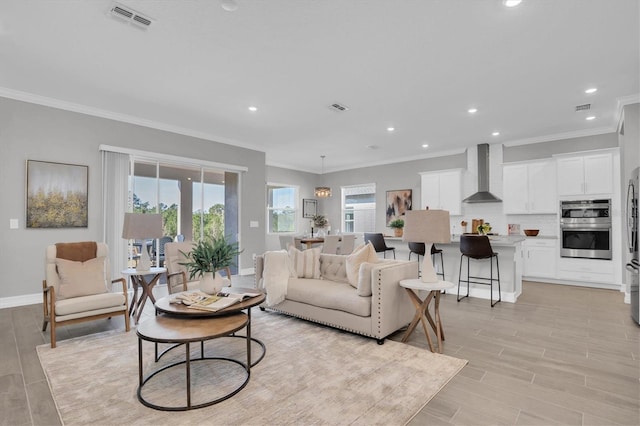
{"points": [[13, 224], [254, 224]]}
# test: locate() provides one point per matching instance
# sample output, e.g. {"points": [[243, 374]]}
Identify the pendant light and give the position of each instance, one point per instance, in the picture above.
{"points": [[322, 191]]}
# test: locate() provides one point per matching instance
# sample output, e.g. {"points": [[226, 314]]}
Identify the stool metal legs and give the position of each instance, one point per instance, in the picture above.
{"points": [[487, 281]]}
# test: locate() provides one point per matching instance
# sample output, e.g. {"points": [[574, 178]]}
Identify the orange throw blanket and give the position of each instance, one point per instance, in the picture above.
{"points": [[77, 252]]}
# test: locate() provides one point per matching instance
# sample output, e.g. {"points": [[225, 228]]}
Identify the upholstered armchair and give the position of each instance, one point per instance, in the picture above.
{"points": [[78, 286], [177, 275]]}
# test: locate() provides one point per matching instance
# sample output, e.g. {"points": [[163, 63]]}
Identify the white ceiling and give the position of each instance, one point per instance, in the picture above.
{"points": [[416, 65]]}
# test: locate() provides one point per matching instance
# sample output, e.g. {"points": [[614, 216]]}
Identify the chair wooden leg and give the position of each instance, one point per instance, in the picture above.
{"points": [[53, 334], [44, 324], [127, 325]]}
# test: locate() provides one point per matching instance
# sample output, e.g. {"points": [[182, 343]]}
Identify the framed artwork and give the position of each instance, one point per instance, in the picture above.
{"points": [[309, 207], [57, 195], [398, 202]]}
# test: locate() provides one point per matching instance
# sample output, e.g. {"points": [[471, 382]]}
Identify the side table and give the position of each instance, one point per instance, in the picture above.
{"points": [[138, 280], [422, 308]]}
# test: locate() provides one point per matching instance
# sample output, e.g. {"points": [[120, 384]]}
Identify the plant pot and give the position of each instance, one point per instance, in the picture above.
{"points": [[397, 232], [211, 283]]}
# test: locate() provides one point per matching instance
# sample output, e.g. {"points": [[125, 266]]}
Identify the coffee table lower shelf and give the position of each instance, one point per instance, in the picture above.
{"points": [[180, 330]]}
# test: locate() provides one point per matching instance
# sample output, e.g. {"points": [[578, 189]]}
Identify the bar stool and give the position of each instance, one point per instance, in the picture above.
{"points": [[419, 249], [478, 247]]}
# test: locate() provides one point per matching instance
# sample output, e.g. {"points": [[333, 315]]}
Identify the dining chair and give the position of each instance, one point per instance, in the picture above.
{"points": [[330, 244], [347, 244], [286, 241], [377, 240]]}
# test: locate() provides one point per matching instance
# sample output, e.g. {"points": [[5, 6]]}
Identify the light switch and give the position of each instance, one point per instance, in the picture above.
{"points": [[254, 224], [13, 224]]}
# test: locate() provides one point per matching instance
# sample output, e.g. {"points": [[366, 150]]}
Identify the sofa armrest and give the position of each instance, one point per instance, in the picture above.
{"points": [[391, 307]]}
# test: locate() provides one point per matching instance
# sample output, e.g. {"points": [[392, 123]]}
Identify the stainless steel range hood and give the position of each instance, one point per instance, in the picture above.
{"points": [[483, 195]]}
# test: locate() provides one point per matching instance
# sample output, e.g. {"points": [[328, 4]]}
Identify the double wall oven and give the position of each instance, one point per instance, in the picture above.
{"points": [[585, 229]]}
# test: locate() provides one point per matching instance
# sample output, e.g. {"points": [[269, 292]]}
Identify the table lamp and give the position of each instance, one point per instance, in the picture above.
{"points": [[138, 226], [428, 227]]}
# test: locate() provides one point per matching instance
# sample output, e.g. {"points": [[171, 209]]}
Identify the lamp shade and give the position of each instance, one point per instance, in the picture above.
{"points": [[138, 226], [427, 226]]}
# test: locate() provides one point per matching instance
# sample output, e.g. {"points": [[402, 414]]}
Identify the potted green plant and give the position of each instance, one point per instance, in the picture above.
{"points": [[397, 225], [206, 258]]}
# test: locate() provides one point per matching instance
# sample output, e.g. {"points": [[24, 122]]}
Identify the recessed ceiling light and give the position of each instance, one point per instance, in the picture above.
{"points": [[390, 129], [425, 145], [511, 3], [591, 90], [495, 134], [253, 108], [472, 110], [229, 5], [591, 117], [372, 146]]}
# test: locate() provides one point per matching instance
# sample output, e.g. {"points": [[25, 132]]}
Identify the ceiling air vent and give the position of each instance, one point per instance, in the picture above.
{"points": [[584, 107], [131, 16], [339, 107]]}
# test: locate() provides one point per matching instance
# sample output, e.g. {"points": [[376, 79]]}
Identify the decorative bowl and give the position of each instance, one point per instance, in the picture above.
{"points": [[531, 232]]}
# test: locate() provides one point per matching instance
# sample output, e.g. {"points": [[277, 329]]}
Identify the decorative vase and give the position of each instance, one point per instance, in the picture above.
{"points": [[211, 283], [397, 232]]}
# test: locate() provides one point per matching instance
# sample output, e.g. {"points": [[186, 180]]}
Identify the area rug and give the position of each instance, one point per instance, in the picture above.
{"points": [[310, 374]]}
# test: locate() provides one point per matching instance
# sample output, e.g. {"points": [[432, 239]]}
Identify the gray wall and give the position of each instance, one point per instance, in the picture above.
{"points": [[404, 175], [541, 150], [29, 131]]}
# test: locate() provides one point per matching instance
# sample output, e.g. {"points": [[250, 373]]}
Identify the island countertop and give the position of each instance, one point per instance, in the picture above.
{"points": [[497, 240]]}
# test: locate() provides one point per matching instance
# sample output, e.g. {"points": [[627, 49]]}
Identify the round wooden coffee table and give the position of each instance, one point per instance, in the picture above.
{"points": [[165, 306], [184, 330]]}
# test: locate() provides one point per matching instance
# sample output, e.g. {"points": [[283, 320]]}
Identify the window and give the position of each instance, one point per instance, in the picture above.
{"points": [[281, 208], [359, 208]]}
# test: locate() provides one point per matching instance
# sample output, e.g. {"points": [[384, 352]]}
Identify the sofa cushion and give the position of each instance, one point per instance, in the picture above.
{"points": [[364, 253], [328, 294], [81, 278], [306, 263]]}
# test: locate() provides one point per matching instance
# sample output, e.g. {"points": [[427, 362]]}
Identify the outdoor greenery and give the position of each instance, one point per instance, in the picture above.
{"points": [[213, 218], [210, 255]]}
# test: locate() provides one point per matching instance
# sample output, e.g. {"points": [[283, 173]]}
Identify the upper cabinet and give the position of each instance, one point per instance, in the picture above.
{"points": [[529, 188], [585, 174], [442, 190]]}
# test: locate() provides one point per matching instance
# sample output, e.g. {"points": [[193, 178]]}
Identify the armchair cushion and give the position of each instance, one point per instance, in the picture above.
{"points": [[81, 278], [88, 304]]}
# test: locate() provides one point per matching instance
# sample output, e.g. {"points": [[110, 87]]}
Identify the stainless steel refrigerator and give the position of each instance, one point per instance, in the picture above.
{"points": [[632, 237]]}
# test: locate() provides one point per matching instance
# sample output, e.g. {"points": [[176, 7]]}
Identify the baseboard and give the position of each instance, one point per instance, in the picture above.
{"points": [[482, 293], [608, 286], [23, 300]]}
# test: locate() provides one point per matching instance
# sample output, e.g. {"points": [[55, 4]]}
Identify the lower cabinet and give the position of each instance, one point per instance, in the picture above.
{"points": [[586, 270], [540, 258]]}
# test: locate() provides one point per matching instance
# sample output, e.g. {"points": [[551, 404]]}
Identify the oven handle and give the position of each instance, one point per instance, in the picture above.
{"points": [[584, 226]]}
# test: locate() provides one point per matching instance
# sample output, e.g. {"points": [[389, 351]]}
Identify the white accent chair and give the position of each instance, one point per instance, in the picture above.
{"points": [[78, 285]]}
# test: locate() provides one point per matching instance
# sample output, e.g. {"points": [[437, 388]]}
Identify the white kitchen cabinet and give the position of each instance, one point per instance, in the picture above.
{"points": [[529, 188], [585, 175], [540, 257], [586, 270], [442, 190]]}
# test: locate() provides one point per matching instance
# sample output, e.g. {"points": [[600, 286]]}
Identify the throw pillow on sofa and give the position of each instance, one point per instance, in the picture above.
{"points": [[305, 263], [362, 254]]}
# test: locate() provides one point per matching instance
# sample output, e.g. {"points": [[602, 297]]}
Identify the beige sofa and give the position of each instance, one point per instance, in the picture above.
{"points": [[376, 308]]}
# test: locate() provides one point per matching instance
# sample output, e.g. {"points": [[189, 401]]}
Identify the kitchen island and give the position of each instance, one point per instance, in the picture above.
{"points": [[509, 249]]}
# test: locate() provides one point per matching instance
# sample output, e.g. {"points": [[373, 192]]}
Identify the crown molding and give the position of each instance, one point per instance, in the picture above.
{"points": [[124, 118], [560, 136]]}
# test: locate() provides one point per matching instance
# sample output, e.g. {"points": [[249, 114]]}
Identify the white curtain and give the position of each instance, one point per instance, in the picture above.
{"points": [[115, 202]]}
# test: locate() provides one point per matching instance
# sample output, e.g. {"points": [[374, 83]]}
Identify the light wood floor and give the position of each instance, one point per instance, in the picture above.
{"points": [[561, 355]]}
